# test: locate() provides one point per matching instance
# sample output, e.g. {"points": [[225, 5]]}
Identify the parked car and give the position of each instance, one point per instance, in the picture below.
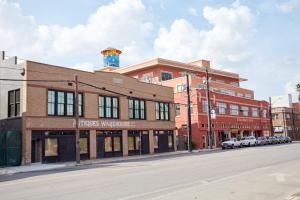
{"points": [[287, 139], [281, 139], [262, 141], [272, 140], [249, 141], [231, 143]]}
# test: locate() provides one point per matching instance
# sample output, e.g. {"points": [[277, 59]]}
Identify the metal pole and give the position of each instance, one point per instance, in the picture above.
{"points": [[294, 132], [271, 117], [140, 143], [209, 111], [189, 125], [77, 121]]}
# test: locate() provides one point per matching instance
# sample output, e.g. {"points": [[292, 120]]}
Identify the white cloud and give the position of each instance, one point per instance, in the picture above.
{"points": [[288, 6], [124, 24], [225, 41], [193, 11]]}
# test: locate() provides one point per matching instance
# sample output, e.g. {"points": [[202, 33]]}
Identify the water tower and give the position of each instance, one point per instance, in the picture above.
{"points": [[111, 57]]}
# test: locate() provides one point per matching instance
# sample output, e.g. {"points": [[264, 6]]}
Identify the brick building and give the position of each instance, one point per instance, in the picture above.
{"points": [[238, 114], [118, 115], [286, 121]]}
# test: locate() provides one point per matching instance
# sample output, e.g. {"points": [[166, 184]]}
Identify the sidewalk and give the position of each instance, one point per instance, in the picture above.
{"points": [[35, 167]]}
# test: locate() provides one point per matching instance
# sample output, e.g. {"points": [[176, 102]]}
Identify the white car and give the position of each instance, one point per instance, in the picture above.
{"points": [[249, 141], [231, 143]]}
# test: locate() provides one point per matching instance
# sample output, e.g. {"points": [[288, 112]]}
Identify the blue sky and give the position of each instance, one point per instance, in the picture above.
{"points": [[258, 39]]}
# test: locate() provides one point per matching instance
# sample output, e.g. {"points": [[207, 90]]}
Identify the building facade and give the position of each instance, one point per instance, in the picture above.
{"points": [[118, 115], [235, 111], [286, 121]]}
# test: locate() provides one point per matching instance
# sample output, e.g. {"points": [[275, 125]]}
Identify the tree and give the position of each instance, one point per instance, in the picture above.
{"points": [[298, 90]]}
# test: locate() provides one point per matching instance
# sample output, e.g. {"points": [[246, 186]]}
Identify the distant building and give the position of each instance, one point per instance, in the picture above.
{"points": [[286, 116], [238, 114]]}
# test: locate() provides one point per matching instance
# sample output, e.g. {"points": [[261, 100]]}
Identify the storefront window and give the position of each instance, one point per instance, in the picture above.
{"points": [[117, 143], [83, 144], [170, 141], [108, 144], [155, 141], [50, 147], [130, 143], [137, 142]]}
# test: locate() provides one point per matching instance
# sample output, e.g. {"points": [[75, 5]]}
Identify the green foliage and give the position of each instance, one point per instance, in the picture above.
{"points": [[298, 87]]}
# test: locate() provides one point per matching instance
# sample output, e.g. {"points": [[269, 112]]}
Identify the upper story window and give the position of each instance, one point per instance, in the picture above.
{"points": [[162, 111], [245, 111], [148, 77], [264, 113], [14, 103], [181, 88], [177, 109], [254, 112], [61, 103], [108, 107], [234, 109], [136, 108], [166, 76], [222, 107], [288, 116], [204, 106]]}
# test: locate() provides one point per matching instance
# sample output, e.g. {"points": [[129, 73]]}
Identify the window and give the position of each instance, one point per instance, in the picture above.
{"points": [[181, 88], [83, 144], [117, 143], [108, 107], [14, 103], [131, 143], [254, 112], [204, 106], [108, 144], [155, 141], [136, 109], [170, 141], [162, 111], [264, 113], [222, 108], [234, 109], [166, 76], [62, 103], [70, 104], [245, 111], [51, 147], [147, 77], [177, 109], [288, 116]]}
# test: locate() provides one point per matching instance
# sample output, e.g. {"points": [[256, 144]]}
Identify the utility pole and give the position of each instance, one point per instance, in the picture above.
{"points": [[77, 121], [271, 117], [189, 125], [209, 111], [294, 131]]}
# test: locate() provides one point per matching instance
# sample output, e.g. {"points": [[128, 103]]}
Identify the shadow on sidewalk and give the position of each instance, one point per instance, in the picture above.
{"points": [[145, 159]]}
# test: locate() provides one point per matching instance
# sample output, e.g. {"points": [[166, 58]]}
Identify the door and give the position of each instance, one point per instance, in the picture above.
{"points": [[145, 144], [100, 146], [67, 148], [163, 143]]}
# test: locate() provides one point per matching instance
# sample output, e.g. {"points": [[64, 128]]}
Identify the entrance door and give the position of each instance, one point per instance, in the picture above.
{"points": [[36, 151], [100, 146], [67, 148], [145, 144], [163, 143]]}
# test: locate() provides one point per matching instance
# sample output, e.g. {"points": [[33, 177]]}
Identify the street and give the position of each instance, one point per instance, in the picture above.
{"points": [[267, 172]]}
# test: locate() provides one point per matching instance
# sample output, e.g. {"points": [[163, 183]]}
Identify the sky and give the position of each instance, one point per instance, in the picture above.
{"points": [[259, 39]]}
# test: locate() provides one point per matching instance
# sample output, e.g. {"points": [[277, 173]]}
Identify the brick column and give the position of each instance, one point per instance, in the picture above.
{"points": [[125, 142], [93, 144], [26, 147], [174, 141], [151, 143]]}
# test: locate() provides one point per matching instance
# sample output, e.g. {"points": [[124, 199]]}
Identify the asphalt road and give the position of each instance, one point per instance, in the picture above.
{"points": [[269, 172]]}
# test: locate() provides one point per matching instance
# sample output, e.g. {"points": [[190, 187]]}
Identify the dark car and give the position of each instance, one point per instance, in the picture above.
{"points": [[272, 140], [287, 139]]}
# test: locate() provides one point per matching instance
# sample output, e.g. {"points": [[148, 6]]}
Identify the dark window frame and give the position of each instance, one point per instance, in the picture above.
{"points": [[111, 107], [80, 104], [139, 109], [158, 111], [15, 104], [168, 78]]}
